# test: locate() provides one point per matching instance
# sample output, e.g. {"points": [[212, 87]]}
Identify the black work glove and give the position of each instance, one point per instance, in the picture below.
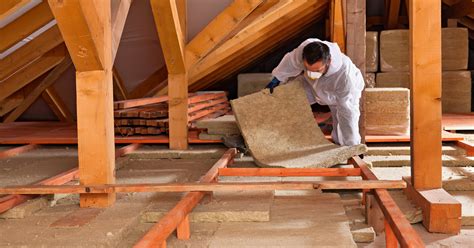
{"points": [[274, 83]]}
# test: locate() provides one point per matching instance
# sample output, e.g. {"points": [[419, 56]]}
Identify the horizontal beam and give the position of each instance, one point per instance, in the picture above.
{"points": [[290, 172], [208, 187]]}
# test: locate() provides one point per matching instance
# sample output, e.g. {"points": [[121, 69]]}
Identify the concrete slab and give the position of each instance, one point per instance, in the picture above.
{"points": [[313, 221], [279, 130]]}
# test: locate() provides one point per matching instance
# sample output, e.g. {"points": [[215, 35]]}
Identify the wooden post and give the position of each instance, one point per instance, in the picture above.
{"points": [[337, 24], [355, 44], [87, 31], [425, 68], [172, 40]]}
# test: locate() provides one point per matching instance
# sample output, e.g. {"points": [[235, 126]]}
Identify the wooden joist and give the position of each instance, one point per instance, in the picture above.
{"points": [[32, 71], [17, 150], [25, 25], [290, 172], [405, 233]]}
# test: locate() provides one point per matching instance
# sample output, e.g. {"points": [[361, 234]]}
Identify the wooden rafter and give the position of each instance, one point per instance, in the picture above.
{"points": [[460, 9], [57, 105], [11, 102], [45, 83], [25, 25], [31, 51], [32, 71], [218, 29], [258, 43], [9, 7], [119, 16]]}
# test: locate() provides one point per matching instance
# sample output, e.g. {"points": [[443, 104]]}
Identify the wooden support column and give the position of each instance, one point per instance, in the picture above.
{"points": [[172, 40], [355, 45], [337, 24], [441, 212], [87, 31]]}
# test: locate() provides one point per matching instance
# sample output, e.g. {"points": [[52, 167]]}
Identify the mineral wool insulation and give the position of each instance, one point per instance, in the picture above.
{"points": [[279, 130]]}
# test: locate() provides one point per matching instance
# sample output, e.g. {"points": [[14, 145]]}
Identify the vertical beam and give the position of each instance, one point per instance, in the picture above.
{"points": [[178, 110], [391, 21], [355, 44], [87, 30], [425, 68], [172, 42], [119, 14], [337, 21]]}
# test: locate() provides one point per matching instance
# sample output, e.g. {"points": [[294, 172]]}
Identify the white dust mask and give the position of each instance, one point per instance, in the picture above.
{"points": [[313, 75]]}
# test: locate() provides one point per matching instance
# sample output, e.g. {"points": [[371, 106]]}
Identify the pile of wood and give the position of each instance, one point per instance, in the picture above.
{"points": [[150, 115]]}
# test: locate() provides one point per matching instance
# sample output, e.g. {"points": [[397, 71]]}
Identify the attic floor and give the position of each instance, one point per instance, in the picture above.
{"points": [[307, 220]]}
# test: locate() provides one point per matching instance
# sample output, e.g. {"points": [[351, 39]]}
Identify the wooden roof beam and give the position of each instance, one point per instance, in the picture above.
{"points": [[45, 83], [391, 19], [31, 51], [29, 73], [57, 105], [25, 25], [9, 7], [119, 12], [460, 9], [218, 29]]}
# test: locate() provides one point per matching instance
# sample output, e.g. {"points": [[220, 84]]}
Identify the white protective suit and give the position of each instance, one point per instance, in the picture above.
{"points": [[340, 88]]}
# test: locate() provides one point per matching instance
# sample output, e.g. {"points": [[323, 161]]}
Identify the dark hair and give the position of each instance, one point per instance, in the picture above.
{"points": [[316, 51]]}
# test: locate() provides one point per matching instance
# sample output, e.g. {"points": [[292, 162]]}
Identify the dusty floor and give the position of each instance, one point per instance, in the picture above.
{"points": [[293, 221]]}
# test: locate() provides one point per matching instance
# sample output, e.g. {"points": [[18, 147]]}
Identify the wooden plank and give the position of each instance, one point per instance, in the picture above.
{"points": [[119, 16], [405, 233], [81, 26], [30, 51], [441, 211], [183, 230], [207, 104], [467, 146], [205, 97], [139, 102], [355, 44], [17, 150], [158, 234], [425, 75], [27, 74], [218, 29], [120, 91], [390, 238], [57, 105], [337, 27], [201, 113], [392, 15], [185, 187], [9, 6], [169, 31], [290, 172], [150, 85], [452, 121], [25, 25], [45, 83]]}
